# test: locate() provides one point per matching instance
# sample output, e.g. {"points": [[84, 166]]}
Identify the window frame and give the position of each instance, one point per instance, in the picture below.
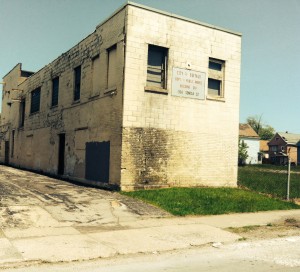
{"points": [[164, 69], [55, 91], [77, 83], [216, 75], [35, 101], [22, 112]]}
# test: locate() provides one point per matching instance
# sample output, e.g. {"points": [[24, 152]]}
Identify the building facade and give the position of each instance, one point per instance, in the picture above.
{"points": [[282, 146], [149, 99], [252, 140]]}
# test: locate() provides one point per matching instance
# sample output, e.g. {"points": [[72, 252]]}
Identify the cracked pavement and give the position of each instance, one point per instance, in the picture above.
{"points": [[31, 200]]}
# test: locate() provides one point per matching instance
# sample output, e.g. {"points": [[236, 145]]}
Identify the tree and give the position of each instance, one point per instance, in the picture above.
{"points": [[243, 153], [265, 132]]}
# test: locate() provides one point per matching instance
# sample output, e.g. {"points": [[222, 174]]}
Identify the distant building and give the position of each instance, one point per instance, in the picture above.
{"points": [[252, 140], [264, 150], [149, 99], [282, 145]]}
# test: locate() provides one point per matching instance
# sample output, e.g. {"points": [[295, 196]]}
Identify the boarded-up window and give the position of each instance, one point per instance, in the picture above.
{"points": [[77, 83], [96, 75], [35, 100], [55, 87], [111, 67], [157, 66], [216, 77]]}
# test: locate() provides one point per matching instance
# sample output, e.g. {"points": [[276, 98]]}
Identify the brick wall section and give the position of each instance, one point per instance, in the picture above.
{"points": [[199, 138]]}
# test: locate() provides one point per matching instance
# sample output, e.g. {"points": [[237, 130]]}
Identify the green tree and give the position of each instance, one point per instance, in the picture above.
{"points": [[265, 132], [243, 153]]}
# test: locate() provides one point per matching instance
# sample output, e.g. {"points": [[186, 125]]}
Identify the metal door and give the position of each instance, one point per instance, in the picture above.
{"points": [[97, 158]]}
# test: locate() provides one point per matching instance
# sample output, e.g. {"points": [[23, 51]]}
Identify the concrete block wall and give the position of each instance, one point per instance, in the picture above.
{"points": [[169, 140], [96, 117]]}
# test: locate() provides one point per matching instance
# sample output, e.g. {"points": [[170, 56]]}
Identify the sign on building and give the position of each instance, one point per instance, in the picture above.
{"points": [[188, 83]]}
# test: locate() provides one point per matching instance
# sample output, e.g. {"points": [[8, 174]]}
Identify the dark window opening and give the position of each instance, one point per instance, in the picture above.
{"points": [[215, 65], [214, 87], [157, 66], [55, 88], [22, 112], [77, 73], [35, 100]]}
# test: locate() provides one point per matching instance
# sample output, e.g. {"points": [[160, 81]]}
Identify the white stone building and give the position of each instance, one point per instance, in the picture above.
{"points": [[149, 99]]}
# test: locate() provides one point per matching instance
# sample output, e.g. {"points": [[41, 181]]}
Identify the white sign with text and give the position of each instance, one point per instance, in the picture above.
{"points": [[188, 83]]}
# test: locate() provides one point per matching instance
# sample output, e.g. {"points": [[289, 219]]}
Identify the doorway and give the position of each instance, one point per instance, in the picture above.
{"points": [[61, 154], [97, 161], [6, 158]]}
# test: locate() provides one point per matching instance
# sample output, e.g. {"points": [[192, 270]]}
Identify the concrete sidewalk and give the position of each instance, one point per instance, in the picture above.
{"points": [[49, 220], [20, 247]]}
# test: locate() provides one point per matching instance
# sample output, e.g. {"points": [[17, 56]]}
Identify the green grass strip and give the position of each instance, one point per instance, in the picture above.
{"points": [[208, 201]]}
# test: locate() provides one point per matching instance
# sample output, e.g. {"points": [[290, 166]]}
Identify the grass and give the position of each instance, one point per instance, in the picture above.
{"points": [[205, 201], [274, 167], [269, 182]]}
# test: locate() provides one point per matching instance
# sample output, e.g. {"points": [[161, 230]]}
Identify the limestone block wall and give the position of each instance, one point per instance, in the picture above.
{"points": [[170, 140]]}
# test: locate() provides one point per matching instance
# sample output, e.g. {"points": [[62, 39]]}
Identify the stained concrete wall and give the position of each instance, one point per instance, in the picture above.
{"points": [[156, 139], [178, 141]]}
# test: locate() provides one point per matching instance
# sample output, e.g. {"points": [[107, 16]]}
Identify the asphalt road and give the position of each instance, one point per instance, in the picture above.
{"points": [[281, 254]]}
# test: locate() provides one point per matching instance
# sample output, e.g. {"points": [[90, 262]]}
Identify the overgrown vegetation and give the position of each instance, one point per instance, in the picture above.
{"points": [[270, 180], [204, 201]]}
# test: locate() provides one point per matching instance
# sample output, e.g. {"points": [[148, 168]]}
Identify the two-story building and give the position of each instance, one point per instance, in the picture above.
{"points": [[282, 146], [149, 99]]}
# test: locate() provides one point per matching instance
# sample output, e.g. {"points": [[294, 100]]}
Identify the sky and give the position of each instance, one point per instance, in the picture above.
{"points": [[35, 32]]}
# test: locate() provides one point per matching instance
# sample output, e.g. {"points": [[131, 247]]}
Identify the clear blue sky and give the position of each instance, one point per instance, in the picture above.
{"points": [[35, 32]]}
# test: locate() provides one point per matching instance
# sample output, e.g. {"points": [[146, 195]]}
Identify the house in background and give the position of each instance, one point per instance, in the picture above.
{"points": [[264, 150], [250, 137], [282, 145]]}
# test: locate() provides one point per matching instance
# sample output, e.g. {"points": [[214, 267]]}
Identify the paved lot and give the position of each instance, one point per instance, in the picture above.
{"points": [[30, 200]]}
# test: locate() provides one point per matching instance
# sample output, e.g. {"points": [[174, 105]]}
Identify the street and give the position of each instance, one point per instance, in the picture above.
{"points": [[281, 254]]}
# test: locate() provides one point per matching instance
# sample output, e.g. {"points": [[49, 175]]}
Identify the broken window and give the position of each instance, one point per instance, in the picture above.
{"points": [[157, 66], [77, 83], [55, 87], [111, 66], [35, 100], [216, 78]]}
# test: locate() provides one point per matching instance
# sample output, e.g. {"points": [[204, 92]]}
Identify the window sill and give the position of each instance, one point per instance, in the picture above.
{"points": [[152, 89], [54, 107], [215, 98], [94, 97], [34, 113], [110, 90], [76, 102]]}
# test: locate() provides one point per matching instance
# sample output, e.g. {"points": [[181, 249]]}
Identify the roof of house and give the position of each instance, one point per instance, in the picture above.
{"points": [[290, 138], [247, 131], [263, 145]]}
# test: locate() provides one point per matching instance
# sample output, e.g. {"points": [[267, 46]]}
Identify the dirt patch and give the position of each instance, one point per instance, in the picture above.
{"points": [[288, 227]]}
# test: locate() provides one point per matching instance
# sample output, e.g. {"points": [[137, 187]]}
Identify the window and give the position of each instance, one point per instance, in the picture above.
{"points": [[216, 78], [77, 83], [55, 87], [111, 66], [157, 66], [96, 75], [35, 100], [22, 112], [274, 148]]}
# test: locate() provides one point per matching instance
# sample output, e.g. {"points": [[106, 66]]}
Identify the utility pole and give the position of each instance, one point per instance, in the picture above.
{"points": [[289, 177]]}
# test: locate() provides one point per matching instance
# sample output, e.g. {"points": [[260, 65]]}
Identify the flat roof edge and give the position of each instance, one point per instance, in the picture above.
{"points": [[179, 17]]}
